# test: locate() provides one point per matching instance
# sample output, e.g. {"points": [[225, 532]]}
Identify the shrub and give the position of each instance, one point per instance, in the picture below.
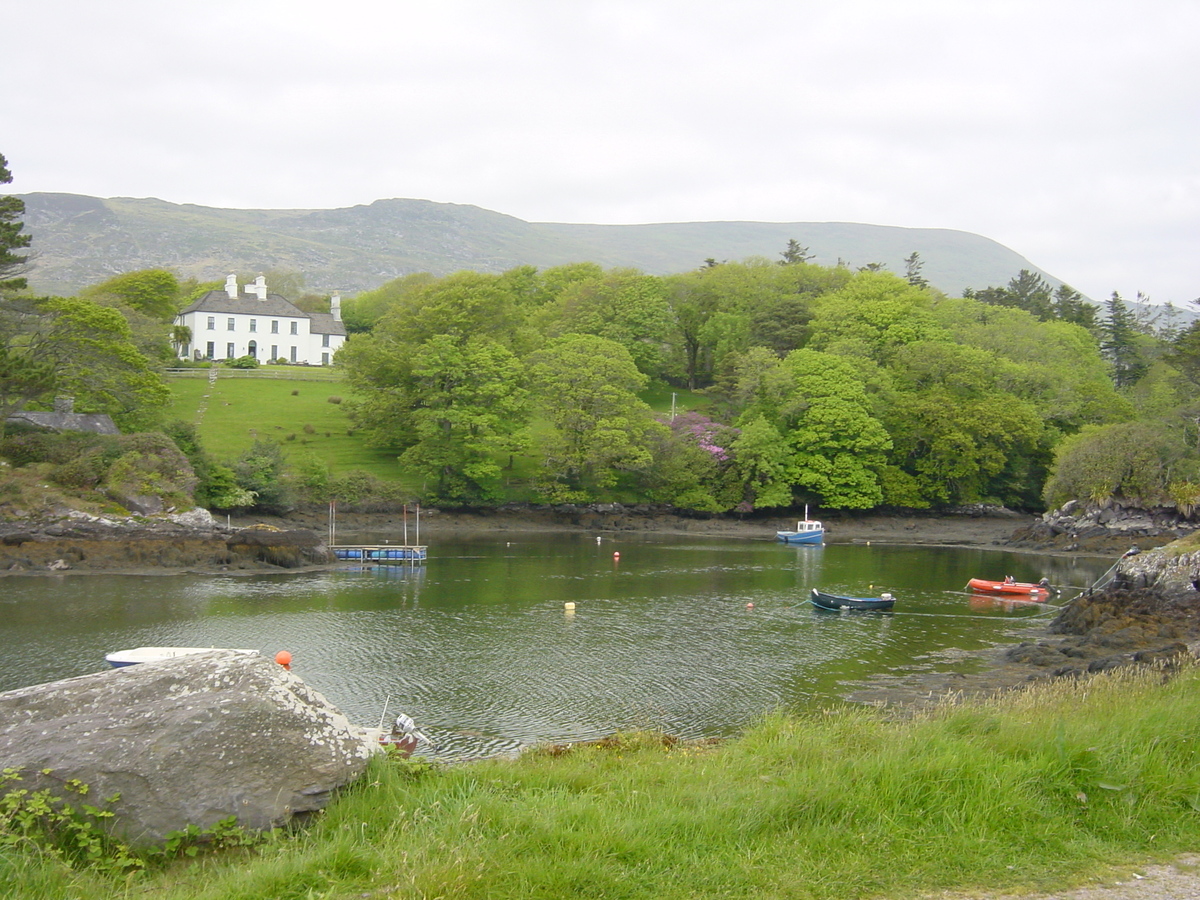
{"points": [[150, 464], [261, 470], [335, 399], [243, 362], [309, 429]]}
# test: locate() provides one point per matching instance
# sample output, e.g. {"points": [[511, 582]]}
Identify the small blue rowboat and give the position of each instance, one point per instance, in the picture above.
{"points": [[835, 603]]}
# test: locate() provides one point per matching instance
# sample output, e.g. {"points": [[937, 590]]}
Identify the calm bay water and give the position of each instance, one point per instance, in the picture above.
{"points": [[477, 645]]}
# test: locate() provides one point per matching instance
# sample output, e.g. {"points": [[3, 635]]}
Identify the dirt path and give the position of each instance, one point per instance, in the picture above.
{"points": [[1179, 880]]}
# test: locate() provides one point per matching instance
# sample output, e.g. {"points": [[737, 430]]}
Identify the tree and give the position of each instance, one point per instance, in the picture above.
{"points": [[360, 313], [912, 270], [12, 264], [260, 471], [1027, 291], [452, 407], [1119, 342], [464, 306], [97, 362], [587, 387], [1069, 306], [872, 315], [152, 292], [953, 428], [1150, 463], [181, 336], [1057, 366], [471, 411], [22, 378], [818, 406], [764, 463], [626, 306], [693, 464], [838, 444], [1184, 352], [794, 254]]}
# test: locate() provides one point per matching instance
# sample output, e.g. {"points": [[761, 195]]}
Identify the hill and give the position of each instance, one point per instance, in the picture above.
{"points": [[80, 240]]}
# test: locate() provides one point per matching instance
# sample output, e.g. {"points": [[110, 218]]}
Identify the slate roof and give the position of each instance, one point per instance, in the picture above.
{"points": [[247, 305], [325, 323], [219, 303]]}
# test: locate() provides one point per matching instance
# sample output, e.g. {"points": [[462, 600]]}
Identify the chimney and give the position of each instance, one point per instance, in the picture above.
{"points": [[231, 287], [335, 306], [259, 287]]}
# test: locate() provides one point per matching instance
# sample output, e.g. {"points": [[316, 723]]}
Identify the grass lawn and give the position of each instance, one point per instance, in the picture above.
{"points": [[234, 412]]}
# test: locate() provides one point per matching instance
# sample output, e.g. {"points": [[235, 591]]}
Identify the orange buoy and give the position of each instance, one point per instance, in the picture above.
{"points": [[749, 606], [284, 659], [617, 555]]}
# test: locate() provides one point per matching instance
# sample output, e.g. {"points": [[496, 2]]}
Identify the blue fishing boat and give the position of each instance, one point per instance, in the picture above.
{"points": [[808, 531]]}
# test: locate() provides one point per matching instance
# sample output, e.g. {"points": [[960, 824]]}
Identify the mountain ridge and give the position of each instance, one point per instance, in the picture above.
{"points": [[80, 240]]}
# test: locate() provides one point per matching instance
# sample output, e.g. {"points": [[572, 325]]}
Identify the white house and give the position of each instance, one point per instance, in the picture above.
{"points": [[232, 323]]}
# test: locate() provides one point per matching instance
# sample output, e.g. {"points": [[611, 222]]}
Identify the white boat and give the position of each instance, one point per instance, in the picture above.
{"points": [[808, 531], [120, 658]]}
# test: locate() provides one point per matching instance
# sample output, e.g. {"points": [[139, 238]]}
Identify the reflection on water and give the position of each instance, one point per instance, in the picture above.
{"points": [[696, 636]]}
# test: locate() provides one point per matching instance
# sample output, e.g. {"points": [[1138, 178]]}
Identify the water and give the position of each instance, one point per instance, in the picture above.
{"points": [[479, 648]]}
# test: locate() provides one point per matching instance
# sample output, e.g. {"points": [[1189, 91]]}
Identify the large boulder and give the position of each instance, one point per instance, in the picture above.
{"points": [[1162, 569], [189, 741]]}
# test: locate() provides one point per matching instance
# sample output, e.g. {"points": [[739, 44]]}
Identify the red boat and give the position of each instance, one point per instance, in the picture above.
{"points": [[983, 586]]}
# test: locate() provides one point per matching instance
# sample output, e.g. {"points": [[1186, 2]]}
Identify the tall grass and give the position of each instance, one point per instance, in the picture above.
{"points": [[1034, 789]]}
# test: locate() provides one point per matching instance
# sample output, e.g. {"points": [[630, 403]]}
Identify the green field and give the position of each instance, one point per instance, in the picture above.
{"points": [[235, 411]]}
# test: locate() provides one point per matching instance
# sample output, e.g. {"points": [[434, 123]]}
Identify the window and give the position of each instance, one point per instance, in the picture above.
{"points": [[212, 323], [324, 340], [229, 351], [295, 327], [230, 324], [212, 349], [274, 326], [324, 359], [274, 351], [253, 325], [293, 354]]}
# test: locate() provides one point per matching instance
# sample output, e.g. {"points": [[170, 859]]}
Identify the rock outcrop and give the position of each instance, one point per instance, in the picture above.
{"points": [[1104, 528], [1150, 612], [188, 741], [191, 540]]}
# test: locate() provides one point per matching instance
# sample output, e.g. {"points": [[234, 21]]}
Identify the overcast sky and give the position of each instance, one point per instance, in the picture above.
{"points": [[1068, 130]]}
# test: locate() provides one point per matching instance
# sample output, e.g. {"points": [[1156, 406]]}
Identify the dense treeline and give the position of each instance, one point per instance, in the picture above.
{"points": [[805, 384], [824, 385]]}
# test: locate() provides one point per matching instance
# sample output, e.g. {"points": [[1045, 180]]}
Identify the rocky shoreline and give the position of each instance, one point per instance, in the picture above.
{"points": [[195, 541], [76, 542]]}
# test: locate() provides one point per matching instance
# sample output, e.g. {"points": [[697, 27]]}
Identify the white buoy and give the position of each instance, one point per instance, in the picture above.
{"points": [[597, 539], [570, 604]]}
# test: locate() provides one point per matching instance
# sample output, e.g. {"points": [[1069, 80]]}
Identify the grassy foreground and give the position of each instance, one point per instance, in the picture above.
{"points": [[1032, 789]]}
